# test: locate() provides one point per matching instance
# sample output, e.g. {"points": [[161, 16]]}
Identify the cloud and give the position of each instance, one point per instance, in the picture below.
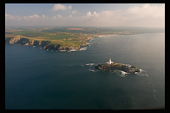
{"points": [[144, 16], [94, 12], [11, 17], [7, 16], [138, 16], [88, 13], [16, 18], [61, 7], [36, 20], [75, 12], [43, 16], [31, 17], [147, 10], [59, 16]]}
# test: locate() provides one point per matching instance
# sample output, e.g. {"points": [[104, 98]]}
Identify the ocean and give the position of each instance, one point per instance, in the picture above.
{"points": [[40, 79]]}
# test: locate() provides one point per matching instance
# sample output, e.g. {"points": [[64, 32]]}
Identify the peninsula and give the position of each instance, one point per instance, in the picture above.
{"points": [[61, 38], [116, 66], [48, 39]]}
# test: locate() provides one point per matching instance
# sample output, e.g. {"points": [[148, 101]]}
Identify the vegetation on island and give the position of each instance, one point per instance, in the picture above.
{"points": [[117, 66]]}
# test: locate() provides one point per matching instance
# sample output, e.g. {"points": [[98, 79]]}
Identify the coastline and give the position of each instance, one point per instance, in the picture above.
{"points": [[45, 45], [107, 35], [117, 66]]}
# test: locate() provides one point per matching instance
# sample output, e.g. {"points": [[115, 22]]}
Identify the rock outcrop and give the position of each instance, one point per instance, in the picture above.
{"points": [[13, 40], [51, 47], [117, 66], [27, 44], [23, 41], [31, 42], [67, 48], [7, 40], [44, 44]]}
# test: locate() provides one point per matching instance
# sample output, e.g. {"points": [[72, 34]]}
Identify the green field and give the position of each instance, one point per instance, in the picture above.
{"points": [[49, 36], [58, 37], [28, 33], [55, 38], [66, 36]]}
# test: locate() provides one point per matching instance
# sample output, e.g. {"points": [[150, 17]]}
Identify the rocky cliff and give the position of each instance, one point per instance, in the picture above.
{"points": [[14, 40], [44, 44]]}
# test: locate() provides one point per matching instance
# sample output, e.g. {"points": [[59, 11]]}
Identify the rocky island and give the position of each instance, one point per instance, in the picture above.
{"points": [[117, 66]]}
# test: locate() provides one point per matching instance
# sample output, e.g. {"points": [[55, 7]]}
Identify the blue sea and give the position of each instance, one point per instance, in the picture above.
{"points": [[40, 79]]}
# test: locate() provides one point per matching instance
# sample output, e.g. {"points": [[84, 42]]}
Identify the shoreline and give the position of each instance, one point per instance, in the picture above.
{"points": [[117, 66], [107, 35], [66, 49], [126, 34]]}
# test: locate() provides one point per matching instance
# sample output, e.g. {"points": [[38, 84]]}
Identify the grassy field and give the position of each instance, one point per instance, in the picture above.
{"points": [[28, 33], [67, 36], [58, 37], [62, 38], [49, 36]]}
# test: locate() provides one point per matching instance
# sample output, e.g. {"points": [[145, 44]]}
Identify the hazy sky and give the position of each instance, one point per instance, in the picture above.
{"points": [[112, 15]]}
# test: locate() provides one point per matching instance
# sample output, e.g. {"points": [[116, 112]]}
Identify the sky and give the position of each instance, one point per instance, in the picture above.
{"points": [[88, 15]]}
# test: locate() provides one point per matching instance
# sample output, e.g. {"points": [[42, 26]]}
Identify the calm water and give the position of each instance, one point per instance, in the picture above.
{"points": [[39, 79]]}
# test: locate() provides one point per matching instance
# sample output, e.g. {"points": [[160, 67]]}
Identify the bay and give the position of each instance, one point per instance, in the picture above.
{"points": [[39, 79]]}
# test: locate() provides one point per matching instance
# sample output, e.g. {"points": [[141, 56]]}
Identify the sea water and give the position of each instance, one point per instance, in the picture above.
{"points": [[39, 79]]}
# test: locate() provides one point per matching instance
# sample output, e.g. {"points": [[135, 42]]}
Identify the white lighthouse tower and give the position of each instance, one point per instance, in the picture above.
{"points": [[109, 61]]}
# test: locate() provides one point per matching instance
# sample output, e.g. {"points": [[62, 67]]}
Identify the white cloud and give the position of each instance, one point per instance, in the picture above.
{"points": [[59, 16], [11, 17], [147, 10], [54, 17], [69, 7], [144, 16], [43, 16], [140, 16], [31, 17], [75, 12], [94, 12], [61, 7], [88, 13], [7, 16]]}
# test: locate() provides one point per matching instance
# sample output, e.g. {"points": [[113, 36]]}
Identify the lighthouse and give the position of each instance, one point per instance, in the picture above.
{"points": [[109, 61]]}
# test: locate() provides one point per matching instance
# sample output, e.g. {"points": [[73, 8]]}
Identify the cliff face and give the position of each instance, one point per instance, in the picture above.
{"points": [[117, 66], [51, 47], [7, 40], [67, 48], [31, 42], [25, 41], [13, 40], [45, 44]]}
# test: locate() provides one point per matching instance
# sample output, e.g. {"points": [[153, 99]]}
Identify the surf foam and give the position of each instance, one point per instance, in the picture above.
{"points": [[82, 49]]}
